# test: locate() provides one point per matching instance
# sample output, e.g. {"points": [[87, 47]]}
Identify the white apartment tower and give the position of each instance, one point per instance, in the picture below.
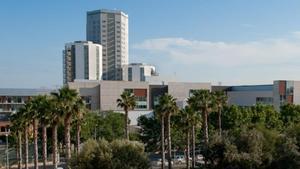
{"points": [[110, 29], [82, 60]]}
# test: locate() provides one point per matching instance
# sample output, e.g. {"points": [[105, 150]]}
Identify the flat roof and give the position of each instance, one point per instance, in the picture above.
{"points": [[106, 11], [24, 92], [251, 88]]}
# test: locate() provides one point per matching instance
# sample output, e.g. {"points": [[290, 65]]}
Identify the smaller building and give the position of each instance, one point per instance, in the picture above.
{"points": [[138, 72], [82, 60], [11, 100]]}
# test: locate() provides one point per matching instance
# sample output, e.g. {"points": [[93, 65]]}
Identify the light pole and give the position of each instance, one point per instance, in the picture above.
{"points": [[7, 157]]}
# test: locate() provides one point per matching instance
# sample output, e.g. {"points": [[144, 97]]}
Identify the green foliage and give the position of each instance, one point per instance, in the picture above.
{"points": [[118, 154], [150, 133], [107, 125]]}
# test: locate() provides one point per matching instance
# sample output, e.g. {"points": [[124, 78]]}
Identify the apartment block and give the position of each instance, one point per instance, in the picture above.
{"points": [[110, 29], [82, 60]]}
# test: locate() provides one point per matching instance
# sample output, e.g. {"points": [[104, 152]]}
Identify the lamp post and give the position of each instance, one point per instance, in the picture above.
{"points": [[7, 156]]}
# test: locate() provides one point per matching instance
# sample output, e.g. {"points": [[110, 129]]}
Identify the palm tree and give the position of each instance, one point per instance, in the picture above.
{"points": [[24, 114], [166, 108], [127, 102], [56, 117], [185, 125], [35, 102], [16, 129], [220, 100], [80, 110], [66, 99], [202, 100], [44, 115]]}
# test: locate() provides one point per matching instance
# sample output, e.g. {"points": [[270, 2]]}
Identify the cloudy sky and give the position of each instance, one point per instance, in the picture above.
{"points": [[232, 41]]}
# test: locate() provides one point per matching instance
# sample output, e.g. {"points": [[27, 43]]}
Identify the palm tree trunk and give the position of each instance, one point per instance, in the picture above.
{"points": [[67, 136], [44, 133], [193, 147], [220, 121], [163, 143], [35, 138], [126, 125], [188, 149], [20, 150], [169, 143], [78, 137], [26, 146], [205, 126], [54, 145]]}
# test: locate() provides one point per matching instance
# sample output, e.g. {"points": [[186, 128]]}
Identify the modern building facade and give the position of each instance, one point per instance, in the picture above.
{"points": [[102, 95], [277, 94], [11, 100], [82, 60], [138, 72], [110, 29]]}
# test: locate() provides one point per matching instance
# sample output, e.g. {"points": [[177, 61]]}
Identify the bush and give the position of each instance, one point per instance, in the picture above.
{"points": [[118, 154]]}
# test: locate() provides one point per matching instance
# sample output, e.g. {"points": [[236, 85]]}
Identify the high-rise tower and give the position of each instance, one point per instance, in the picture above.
{"points": [[110, 29]]}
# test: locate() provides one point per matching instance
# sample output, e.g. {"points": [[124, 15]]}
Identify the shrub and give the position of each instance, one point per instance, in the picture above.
{"points": [[118, 154]]}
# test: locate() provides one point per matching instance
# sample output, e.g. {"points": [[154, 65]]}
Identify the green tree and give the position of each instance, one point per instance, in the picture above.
{"points": [[66, 99], [127, 102], [35, 123], [80, 111], [150, 132], [44, 110], [165, 109], [17, 121], [202, 101], [118, 154], [220, 99]]}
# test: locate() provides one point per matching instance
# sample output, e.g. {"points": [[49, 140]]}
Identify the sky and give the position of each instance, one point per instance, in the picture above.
{"points": [[228, 42]]}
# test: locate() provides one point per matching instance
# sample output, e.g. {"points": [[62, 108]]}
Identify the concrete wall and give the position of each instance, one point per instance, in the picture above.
{"points": [[88, 88], [181, 90], [297, 92], [110, 91]]}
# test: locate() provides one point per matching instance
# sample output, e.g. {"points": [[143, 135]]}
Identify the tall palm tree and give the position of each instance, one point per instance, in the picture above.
{"points": [[56, 117], [35, 102], [127, 102], [202, 100], [166, 108], [44, 115], [16, 129], [80, 110], [220, 100], [67, 98], [25, 114], [185, 125]]}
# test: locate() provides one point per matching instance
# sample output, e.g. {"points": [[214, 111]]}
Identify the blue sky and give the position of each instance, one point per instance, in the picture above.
{"points": [[229, 41]]}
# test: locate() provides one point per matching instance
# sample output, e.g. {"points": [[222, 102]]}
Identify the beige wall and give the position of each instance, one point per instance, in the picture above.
{"points": [[88, 88], [181, 90], [111, 91]]}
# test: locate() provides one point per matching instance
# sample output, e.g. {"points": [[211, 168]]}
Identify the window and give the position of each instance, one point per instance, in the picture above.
{"points": [[130, 74], [142, 74]]}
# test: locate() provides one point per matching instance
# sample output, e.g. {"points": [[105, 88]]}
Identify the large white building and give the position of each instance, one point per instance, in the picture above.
{"points": [[110, 29], [138, 72], [82, 60]]}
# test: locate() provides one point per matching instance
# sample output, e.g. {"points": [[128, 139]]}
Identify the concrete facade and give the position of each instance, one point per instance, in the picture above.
{"points": [[110, 29], [82, 60], [182, 90], [138, 72]]}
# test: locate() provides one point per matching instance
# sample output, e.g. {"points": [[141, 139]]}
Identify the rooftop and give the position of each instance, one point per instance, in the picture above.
{"points": [[23, 92]]}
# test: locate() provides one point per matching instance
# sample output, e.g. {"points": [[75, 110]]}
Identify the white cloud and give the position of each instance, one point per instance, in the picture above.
{"points": [[262, 52]]}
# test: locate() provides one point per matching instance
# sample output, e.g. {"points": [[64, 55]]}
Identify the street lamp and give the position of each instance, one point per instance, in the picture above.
{"points": [[7, 156]]}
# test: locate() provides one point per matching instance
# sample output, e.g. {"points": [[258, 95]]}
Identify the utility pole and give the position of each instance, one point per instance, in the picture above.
{"points": [[7, 154]]}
